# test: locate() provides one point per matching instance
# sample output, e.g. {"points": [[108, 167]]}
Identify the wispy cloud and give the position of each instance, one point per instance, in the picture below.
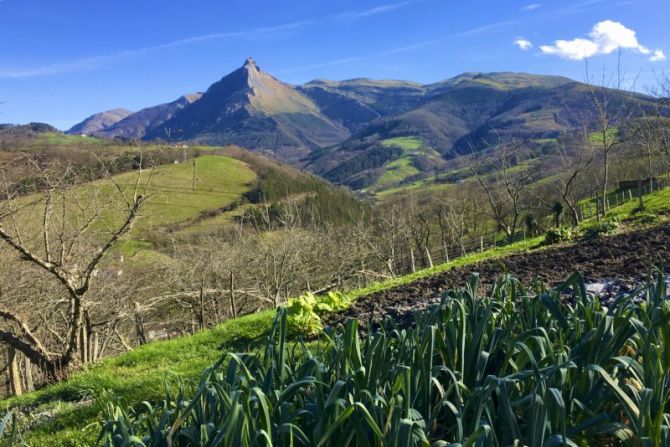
{"points": [[531, 7], [403, 48], [97, 61], [381, 9], [605, 38], [93, 62]]}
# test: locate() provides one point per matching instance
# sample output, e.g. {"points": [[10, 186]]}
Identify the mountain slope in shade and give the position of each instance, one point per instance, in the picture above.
{"points": [[99, 122], [356, 102], [137, 125], [250, 108]]}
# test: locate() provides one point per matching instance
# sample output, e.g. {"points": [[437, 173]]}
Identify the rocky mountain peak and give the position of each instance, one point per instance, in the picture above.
{"points": [[250, 63]]}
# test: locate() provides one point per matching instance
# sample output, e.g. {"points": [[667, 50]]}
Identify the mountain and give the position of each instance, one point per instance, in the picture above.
{"points": [[470, 112], [137, 125], [372, 134], [30, 129], [99, 122], [250, 108], [356, 102]]}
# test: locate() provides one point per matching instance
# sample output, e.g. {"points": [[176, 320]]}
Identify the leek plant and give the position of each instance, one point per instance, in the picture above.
{"points": [[512, 368]]}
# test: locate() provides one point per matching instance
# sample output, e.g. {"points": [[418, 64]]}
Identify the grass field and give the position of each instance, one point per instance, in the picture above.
{"points": [[657, 202], [61, 139], [171, 197], [402, 168], [597, 137]]}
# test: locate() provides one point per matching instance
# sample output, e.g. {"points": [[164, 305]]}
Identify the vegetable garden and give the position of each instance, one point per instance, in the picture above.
{"points": [[514, 367]]}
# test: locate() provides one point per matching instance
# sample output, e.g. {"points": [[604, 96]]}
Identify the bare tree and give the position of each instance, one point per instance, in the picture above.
{"points": [[505, 186], [610, 110], [576, 157], [73, 239]]}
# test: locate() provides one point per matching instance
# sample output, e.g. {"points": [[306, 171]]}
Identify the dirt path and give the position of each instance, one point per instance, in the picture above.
{"points": [[626, 257]]}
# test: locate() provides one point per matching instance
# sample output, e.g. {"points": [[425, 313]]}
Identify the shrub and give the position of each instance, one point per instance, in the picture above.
{"points": [[643, 218], [557, 235], [601, 228]]}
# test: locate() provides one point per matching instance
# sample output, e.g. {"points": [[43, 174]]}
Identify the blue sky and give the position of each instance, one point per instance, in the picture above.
{"points": [[64, 60]]}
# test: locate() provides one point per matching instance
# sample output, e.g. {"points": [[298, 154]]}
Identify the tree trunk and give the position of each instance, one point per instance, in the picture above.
{"points": [[30, 384], [430, 258], [651, 176], [605, 180], [84, 346], [14, 372]]}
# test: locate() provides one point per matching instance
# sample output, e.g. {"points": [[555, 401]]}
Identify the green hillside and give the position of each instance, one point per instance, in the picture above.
{"points": [[171, 197]]}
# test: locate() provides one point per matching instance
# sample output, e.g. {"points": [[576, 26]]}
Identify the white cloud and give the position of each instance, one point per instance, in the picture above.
{"points": [[657, 56], [523, 44], [605, 37], [531, 7], [576, 49]]}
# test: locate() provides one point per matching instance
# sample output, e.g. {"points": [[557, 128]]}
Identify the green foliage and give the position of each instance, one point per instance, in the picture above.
{"points": [[599, 229], [556, 235], [319, 201], [372, 158], [509, 368], [139, 375], [406, 143], [331, 302], [643, 218], [302, 316], [304, 313]]}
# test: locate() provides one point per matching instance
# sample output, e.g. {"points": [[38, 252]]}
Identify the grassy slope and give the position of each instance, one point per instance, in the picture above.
{"points": [[402, 168], [61, 139], [140, 375], [171, 197]]}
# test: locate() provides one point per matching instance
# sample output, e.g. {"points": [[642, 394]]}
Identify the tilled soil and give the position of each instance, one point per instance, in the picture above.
{"points": [[627, 258]]}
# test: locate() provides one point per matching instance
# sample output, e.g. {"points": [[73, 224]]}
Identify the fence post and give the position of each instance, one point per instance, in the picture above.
{"points": [[233, 310], [446, 252], [630, 194], [481, 244], [411, 255]]}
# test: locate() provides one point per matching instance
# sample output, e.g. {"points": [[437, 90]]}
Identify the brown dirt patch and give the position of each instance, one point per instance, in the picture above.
{"points": [[626, 257]]}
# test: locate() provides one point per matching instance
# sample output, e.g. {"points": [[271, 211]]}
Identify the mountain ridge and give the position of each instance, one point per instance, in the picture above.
{"points": [[345, 130]]}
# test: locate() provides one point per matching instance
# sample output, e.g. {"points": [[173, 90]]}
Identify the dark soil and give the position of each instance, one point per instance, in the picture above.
{"points": [[625, 258]]}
